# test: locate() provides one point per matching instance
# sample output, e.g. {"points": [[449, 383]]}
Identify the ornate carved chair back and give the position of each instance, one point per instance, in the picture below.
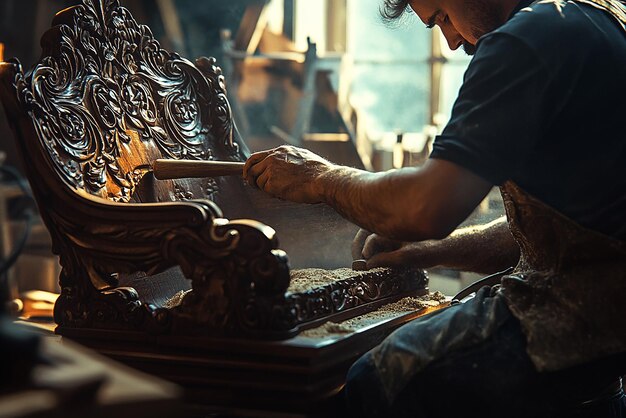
{"points": [[101, 105], [106, 101]]}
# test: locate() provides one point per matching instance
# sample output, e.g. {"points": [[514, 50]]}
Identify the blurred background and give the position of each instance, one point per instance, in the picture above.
{"points": [[328, 75]]}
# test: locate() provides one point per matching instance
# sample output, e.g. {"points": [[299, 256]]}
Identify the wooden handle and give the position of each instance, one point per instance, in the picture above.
{"points": [[179, 169]]}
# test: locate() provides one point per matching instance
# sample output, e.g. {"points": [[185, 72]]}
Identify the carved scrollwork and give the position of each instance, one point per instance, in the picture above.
{"points": [[104, 74], [222, 112], [211, 188], [138, 104], [237, 285], [181, 193], [351, 293]]}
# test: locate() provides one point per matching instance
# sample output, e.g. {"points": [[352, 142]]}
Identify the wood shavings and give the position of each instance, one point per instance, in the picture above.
{"points": [[414, 303], [175, 300]]}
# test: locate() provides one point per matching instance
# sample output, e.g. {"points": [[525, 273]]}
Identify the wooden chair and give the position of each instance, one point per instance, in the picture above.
{"points": [[103, 103]]}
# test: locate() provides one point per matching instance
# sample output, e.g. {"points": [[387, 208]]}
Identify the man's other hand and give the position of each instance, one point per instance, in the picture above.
{"points": [[482, 249], [384, 252], [288, 173]]}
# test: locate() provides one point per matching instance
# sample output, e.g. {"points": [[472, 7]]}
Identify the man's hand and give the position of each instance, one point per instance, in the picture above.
{"points": [[367, 244], [288, 173], [384, 252], [481, 249]]}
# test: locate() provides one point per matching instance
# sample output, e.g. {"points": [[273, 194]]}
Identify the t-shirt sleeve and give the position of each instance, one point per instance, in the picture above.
{"points": [[497, 116]]}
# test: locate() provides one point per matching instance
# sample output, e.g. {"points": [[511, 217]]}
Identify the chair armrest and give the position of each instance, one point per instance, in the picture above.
{"points": [[237, 272]]}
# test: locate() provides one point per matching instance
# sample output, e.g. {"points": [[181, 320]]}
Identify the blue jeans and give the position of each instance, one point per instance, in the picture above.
{"points": [[470, 360]]}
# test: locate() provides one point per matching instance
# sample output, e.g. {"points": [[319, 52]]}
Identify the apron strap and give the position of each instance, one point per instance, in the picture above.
{"points": [[616, 8]]}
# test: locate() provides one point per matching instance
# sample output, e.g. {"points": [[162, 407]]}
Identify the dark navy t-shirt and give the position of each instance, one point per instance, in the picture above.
{"points": [[543, 103]]}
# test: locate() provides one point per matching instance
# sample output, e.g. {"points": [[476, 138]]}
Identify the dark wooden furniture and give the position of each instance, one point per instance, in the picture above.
{"points": [[103, 103]]}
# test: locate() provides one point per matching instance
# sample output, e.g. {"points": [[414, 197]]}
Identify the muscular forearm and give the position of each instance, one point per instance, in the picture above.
{"points": [[409, 204], [481, 249], [353, 193]]}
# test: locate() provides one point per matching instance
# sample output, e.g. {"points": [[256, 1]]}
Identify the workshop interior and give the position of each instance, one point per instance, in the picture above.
{"points": [[140, 274]]}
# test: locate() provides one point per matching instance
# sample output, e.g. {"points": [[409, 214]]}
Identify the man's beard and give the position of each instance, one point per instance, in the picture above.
{"points": [[469, 48], [483, 17]]}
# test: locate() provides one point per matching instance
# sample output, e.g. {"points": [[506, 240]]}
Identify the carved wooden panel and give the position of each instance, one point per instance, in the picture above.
{"points": [[107, 100]]}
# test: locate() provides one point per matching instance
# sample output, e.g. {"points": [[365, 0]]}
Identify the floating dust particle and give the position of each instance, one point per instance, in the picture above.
{"points": [[175, 300], [308, 279], [395, 309]]}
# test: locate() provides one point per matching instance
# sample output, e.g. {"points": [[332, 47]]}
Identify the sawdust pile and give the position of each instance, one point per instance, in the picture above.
{"points": [[405, 305], [307, 279], [326, 329]]}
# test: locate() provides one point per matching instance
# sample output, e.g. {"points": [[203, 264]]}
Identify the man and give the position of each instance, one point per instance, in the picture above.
{"points": [[540, 114]]}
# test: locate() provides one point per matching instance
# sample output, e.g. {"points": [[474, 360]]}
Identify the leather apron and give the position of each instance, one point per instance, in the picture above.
{"points": [[569, 288]]}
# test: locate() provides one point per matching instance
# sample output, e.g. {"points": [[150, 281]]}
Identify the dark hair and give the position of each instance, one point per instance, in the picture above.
{"points": [[393, 9]]}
